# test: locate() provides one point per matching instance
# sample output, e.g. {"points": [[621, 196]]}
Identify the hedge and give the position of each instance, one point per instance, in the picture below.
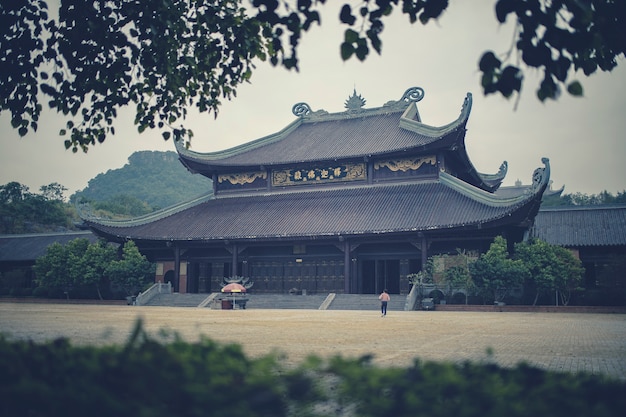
{"points": [[150, 377]]}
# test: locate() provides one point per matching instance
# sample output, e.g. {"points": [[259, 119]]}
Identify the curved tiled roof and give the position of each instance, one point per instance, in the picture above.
{"points": [[459, 197], [28, 247], [578, 226], [359, 210], [322, 136]]}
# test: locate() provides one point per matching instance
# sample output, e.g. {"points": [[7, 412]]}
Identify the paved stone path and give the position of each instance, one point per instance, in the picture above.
{"points": [[594, 343]]}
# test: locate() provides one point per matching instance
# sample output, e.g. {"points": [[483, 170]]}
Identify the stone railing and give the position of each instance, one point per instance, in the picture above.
{"points": [[415, 296], [411, 299], [327, 301], [158, 288]]}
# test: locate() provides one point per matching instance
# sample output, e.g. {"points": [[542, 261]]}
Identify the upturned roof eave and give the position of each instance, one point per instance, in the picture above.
{"points": [[541, 177], [90, 220], [409, 120], [517, 210], [189, 158]]}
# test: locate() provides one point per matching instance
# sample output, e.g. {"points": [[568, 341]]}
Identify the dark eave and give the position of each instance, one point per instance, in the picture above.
{"points": [[444, 204]]}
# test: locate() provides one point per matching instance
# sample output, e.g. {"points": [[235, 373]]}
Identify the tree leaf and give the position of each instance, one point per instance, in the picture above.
{"points": [[488, 62], [347, 49], [346, 15], [503, 8], [575, 88]]}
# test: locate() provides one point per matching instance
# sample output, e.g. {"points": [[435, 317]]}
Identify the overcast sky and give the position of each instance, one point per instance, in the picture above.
{"points": [[583, 137]]}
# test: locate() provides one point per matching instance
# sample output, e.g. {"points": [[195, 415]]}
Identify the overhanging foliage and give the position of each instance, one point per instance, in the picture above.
{"points": [[90, 60]]}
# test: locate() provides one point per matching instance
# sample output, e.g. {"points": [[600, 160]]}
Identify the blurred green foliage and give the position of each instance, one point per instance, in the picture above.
{"points": [[170, 377]]}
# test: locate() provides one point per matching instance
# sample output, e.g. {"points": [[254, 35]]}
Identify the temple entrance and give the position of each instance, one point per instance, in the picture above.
{"points": [[300, 276], [199, 278], [192, 278], [380, 274], [170, 277]]}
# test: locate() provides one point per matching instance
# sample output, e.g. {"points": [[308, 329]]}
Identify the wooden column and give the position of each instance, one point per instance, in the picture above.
{"points": [[346, 267], [176, 268], [235, 260], [424, 250]]}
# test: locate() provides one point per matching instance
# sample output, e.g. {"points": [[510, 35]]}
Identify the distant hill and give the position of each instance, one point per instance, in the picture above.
{"points": [[157, 178]]}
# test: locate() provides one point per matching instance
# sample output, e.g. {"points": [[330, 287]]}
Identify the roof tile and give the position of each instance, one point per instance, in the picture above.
{"points": [[582, 226], [334, 211]]}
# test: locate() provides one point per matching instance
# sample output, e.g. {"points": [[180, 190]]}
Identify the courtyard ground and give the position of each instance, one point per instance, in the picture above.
{"points": [[594, 343]]}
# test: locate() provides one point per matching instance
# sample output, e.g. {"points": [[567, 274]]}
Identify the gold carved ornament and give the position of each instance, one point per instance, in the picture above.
{"points": [[406, 164], [242, 178]]}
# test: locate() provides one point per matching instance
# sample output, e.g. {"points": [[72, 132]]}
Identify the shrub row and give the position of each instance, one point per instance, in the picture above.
{"points": [[170, 377]]}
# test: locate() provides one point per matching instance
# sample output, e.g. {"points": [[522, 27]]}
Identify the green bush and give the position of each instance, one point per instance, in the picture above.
{"points": [[146, 377], [475, 389], [21, 292], [142, 378], [40, 292]]}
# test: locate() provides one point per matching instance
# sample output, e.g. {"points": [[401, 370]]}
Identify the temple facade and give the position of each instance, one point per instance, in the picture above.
{"points": [[347, 202]]}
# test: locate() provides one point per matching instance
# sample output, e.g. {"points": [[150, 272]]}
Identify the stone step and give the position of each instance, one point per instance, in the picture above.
{"points": [[284, 301], [365, 302], [177, 300]]}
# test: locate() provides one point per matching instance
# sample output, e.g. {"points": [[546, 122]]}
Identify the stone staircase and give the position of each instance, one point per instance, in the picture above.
{"points": [[366, 302], [177, 300], [284, 301]]}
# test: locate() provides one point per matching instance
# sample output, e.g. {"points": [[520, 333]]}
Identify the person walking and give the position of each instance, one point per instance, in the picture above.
{"points": [[384, 299]]}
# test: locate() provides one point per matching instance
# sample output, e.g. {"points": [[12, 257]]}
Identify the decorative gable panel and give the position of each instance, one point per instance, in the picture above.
{"points": [[413, 167], [319, 174]]}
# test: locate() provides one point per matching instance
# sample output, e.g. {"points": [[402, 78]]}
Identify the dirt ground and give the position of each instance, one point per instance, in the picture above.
{"points": [[593, 343]]}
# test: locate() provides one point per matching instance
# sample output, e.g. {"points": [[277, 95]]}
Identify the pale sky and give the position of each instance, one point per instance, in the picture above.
{"points": [[583, 137]]}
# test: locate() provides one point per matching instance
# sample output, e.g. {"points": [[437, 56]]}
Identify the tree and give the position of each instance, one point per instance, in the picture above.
{"points": [[455, 274], [137, 179], [90, 268], [13, 192], [495, 273], [552, 268], [459, 277], [80, 265], [161, 57], [132, 272], [53, 270], [22, 211], [124, 205], [581, 199], [100, 56], [53, 192], [539, 258], [570, 276]]}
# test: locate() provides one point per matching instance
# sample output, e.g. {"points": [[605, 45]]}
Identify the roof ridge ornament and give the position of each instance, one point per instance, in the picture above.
{"points": [[301, 109], [541, 176], [413, 94], [354, 102]]}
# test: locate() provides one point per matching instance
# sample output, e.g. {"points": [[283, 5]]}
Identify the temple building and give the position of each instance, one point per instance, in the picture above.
{"points": [[348, 202]]}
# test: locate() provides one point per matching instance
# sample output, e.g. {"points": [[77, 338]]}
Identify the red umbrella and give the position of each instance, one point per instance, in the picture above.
{"points": [[234, 287]]}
